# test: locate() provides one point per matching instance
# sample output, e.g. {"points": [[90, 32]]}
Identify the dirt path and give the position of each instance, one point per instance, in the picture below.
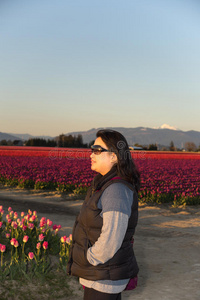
{"points": [[167, 243]]}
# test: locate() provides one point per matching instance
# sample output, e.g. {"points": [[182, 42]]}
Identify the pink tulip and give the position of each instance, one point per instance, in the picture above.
{"points": [[45, 245], [14, 224], [16, 244], [27, 217], [35, 213], [63, 239], [29, 212], [25, 238], [41, 237], [15, 215], [68, 240], [24, 228], [1, 223], [3, 248], [12, 241], [9, 208], [49, 223], [31, 255], [54, 227], [38, 246], [32, 219], [30, 225], [43, 222], [7, 235], [20, 224], [22, 214]]}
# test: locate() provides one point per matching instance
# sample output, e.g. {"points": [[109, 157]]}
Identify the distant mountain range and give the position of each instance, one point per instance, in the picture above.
{"points": [[20, 136], [141, 135], [145, 136]]}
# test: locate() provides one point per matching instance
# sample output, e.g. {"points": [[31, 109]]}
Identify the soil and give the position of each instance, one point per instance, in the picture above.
{"points": [[167, 242]]}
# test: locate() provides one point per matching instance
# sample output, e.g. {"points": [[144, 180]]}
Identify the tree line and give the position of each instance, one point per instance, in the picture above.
{"points": [[69, 141], [188, 146]]}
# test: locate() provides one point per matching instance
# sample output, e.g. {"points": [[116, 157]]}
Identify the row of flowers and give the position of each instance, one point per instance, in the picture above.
{"points": [[164, 176], [83, 153], [43, 173], [29, 242], [160, 178]]}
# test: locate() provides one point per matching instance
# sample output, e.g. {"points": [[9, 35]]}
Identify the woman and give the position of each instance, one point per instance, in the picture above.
{"points": [[102, 253]]}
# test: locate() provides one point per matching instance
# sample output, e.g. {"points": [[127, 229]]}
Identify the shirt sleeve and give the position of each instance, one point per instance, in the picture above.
{"points": [[116, 197], [115, 224]]}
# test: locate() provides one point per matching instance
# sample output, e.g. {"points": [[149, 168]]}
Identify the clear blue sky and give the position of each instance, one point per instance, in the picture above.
{"points": [[76, 65]]}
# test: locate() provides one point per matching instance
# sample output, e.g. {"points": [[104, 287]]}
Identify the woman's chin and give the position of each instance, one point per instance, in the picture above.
{"points": [[92, 167]]}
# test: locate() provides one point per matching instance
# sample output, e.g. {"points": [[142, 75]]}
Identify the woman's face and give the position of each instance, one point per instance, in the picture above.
{"points": [[103, 162]]}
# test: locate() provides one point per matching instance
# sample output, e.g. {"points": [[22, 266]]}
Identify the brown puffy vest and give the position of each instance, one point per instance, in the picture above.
{"points": [[86, 231]]}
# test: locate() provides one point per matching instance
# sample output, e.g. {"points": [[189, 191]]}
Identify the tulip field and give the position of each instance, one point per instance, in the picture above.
{"points": [[28, 246], [165, 176]]}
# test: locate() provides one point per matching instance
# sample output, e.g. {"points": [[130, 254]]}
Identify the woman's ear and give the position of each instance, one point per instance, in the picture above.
{"points": [[114, 158]]}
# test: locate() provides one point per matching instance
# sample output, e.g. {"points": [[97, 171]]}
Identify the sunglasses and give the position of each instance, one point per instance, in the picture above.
{"points": [[97, 150]]}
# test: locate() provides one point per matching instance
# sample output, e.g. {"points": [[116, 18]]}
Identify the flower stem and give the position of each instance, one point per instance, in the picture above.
{"points": [[1, 259]]}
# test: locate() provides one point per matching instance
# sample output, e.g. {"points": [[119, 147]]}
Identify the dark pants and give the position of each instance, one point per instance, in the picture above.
{"points": [[91, 294]]}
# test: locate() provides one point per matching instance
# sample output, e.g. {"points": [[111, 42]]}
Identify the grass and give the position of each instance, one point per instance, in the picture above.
{"points": [[54, 285]]}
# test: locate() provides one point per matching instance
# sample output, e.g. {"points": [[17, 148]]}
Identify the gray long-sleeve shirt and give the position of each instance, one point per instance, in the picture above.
{"points": [[115, 202]]}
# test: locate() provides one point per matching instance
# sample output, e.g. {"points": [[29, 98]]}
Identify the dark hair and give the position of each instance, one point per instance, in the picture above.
{"points": [[117, 143]]}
